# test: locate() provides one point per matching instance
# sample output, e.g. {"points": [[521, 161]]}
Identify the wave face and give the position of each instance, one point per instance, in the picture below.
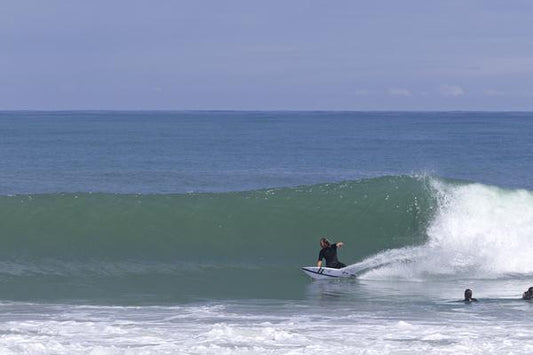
{"points": [[119, 248], [262, 225]]}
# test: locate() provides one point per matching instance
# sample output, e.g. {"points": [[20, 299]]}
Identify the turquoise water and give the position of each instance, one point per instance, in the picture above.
{"points": [[165, 232]]}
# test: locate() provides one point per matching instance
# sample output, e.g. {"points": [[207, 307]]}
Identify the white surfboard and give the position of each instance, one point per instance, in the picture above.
{"points": [[324, 273]]}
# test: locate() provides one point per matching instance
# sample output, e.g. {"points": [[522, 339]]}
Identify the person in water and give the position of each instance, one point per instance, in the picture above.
{"points": [[468, 296], [528, 295], [329, 252]]}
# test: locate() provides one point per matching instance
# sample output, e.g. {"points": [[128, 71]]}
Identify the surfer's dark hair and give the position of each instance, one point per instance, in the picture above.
{"points": [[468, 292], [325, 241]]}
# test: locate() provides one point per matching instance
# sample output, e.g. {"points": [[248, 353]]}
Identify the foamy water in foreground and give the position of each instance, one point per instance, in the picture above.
{"points": [[337, 317]]}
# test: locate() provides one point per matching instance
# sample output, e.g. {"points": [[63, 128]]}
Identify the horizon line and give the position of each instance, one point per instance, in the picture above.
{"points": [[267, 110]]}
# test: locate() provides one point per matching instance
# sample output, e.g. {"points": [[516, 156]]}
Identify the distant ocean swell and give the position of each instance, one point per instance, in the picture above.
{"points": [[112, 247]]}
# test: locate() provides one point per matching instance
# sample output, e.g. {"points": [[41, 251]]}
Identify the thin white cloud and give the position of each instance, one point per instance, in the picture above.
{"points": [[451, 90], [399, 92]]}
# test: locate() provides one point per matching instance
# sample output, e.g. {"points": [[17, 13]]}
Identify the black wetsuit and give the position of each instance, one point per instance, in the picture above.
{"points": [[330, 254]]}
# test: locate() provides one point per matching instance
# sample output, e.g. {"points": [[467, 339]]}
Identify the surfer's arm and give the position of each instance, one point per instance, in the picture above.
{"points": [[320, 257]]}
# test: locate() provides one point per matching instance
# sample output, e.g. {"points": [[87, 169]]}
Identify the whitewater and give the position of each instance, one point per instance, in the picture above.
{"points": [[477, 232], [184, 232]]}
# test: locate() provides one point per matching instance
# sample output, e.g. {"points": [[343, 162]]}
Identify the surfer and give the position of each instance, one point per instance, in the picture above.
{"points": [[329, 252], [528, 295], [468, 296]]}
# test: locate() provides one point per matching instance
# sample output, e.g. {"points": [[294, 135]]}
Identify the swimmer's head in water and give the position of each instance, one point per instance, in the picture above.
{"points": [[468, 294], [324, 242], [530, 290]]}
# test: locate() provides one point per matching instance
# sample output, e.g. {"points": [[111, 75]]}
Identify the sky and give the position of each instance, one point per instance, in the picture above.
{"points": [[266, 55]]}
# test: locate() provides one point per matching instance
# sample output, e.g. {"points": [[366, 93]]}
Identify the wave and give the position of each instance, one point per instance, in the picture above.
{"points": [[271, 225], [251, 244]]}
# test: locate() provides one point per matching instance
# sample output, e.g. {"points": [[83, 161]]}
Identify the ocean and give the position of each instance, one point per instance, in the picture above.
{"points": [[184, 232]]}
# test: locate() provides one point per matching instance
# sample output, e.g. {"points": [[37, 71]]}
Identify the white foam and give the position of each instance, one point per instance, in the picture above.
{"points": [[478, 231], [108, 330]]}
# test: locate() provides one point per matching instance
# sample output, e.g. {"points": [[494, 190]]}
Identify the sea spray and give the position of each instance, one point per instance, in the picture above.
{"points": [[478, 231]]}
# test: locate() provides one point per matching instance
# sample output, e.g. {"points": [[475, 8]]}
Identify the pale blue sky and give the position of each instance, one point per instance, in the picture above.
{"points": [[267, 55]]}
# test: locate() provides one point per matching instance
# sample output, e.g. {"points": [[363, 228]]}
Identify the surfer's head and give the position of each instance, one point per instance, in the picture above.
{"points": [[530, 291], [324, 242], [468, 294]]}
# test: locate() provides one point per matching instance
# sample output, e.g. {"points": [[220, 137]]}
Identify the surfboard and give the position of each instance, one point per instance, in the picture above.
{"points": [[324, 273]]}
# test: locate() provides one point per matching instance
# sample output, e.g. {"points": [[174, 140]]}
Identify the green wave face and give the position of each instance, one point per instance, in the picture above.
{"points": [[75, 246], [272, 225]]}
